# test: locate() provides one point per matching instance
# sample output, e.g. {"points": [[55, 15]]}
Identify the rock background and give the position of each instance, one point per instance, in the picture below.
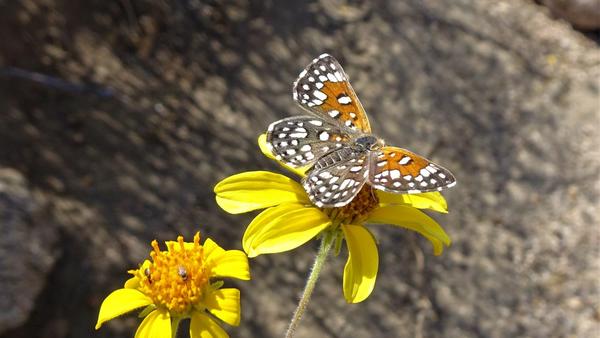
{"points": [[149, 103], [583, 14]]}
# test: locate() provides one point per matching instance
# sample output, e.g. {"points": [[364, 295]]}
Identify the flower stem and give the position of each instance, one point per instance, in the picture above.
{"points": [[326, 242], [174, 326]]}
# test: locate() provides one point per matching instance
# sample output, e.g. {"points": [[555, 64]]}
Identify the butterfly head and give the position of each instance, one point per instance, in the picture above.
{"points": [[369, 142]]}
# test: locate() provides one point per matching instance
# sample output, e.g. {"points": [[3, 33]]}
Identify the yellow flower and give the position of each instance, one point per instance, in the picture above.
{"points": [[178, 284], [290, 220]]}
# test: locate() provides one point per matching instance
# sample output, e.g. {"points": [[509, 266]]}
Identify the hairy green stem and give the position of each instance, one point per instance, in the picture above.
{"points": [[326, 243]]}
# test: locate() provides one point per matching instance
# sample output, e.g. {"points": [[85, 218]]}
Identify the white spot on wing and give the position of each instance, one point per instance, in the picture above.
{"points": [[324, 136], [325, 175], [319, 95], [431, 169], [334, 113], [344, 99], [404, 160]]}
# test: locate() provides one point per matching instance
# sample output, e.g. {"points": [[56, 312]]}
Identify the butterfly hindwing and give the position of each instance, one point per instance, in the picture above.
{"points": [[401, 171], [300, 141], [323, 89], [336, 178]]}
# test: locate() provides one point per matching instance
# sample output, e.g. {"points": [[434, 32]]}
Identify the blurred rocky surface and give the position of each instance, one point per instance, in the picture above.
{"points": [[26, 248], [583, 14], [147, 104]]}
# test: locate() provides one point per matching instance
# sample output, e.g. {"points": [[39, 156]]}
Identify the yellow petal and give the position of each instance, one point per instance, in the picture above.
{"points": [[202, 326], [120, 302], [360, 271], [428, 200], [132, 283], [256, 226], [412, 219], [226, 263], [156, 325], [262, 144], [225, 305], [253, 190], [283, 228], [212, 249]]}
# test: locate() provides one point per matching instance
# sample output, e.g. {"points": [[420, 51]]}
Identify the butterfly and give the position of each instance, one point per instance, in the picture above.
{"points": [[337, 143]]}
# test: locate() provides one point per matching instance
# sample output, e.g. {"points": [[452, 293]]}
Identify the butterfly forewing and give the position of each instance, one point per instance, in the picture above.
{"points": [[399, 170], [323, 89], [300, 141], [336, 178]]}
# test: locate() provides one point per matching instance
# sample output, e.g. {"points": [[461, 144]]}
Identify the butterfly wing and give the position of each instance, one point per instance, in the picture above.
{"points": [[324, 90], [301, 140], [336, 178], [401, 171]]}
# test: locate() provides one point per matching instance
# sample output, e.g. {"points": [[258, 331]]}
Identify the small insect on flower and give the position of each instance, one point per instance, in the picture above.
{"points": [[179, 283], [336, 143]]}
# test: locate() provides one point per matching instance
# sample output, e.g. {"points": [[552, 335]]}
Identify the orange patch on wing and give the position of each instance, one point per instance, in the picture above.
{"points": [[396, 160], [338, 92]]}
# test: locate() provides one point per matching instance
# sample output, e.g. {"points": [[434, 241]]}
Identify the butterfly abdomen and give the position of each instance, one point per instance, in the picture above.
{"points": [[338, 156]]}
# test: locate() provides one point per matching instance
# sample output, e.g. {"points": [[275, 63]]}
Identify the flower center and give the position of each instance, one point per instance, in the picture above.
{"points": [[363, 203], [176, 278]]}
